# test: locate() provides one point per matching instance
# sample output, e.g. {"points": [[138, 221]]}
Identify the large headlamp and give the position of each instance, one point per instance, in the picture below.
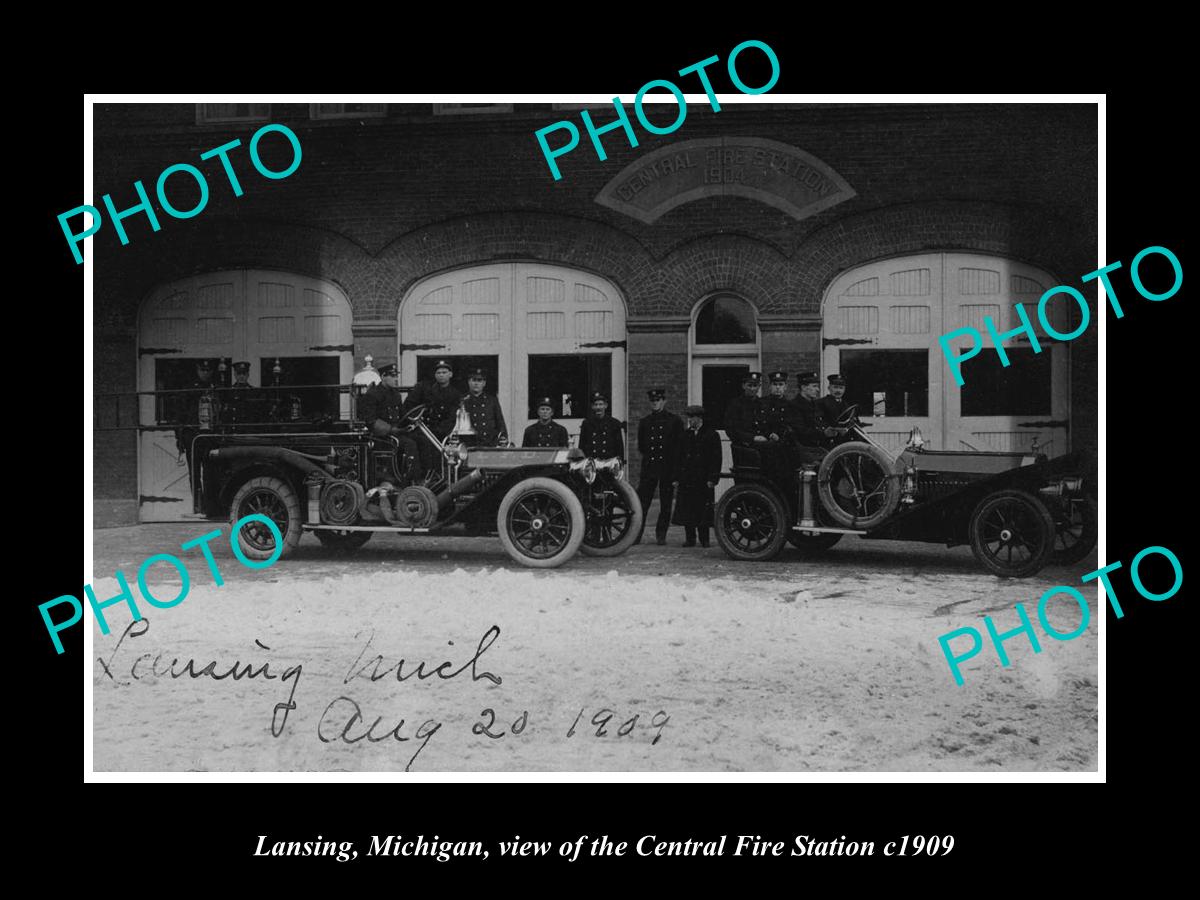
{"points": [[585, 468]]}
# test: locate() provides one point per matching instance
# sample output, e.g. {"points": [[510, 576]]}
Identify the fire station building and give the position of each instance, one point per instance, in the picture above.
{"points": [[837, 238]]}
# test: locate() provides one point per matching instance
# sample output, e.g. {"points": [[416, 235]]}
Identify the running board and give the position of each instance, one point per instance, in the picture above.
{"points": [[828, 529], [389, 528]]}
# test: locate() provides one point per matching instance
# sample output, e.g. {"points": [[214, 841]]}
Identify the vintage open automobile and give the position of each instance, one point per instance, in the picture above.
{"points": [[342, 484], [1018, 511]]}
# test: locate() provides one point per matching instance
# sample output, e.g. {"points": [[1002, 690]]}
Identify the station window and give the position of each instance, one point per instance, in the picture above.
{"points": [[887, 382], [461, 109], [569, 381], [725, 319], [207, 113], [1020, 389], [347, 110], [314, 402]]}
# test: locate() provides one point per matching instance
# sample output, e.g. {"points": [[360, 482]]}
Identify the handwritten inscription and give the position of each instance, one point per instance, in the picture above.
{"points": [[345, 720]]}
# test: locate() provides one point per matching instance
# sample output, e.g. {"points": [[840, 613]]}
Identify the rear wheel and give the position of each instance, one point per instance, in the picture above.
{"points": [[751, 522], [342, 542], [274, 498], [541, 523], [614, 518], [1076, 533], [1012, 534]]}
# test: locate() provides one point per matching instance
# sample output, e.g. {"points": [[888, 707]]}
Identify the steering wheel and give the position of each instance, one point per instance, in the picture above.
{"points": [[413, 416], [849, 416]]}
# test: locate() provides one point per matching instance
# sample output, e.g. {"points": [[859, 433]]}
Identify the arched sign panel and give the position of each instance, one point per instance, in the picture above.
{"points": [[243, 315], [882, 322], [537, 330]]}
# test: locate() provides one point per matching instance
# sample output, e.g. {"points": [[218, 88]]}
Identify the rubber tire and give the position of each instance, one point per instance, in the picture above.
{"points": [[777, 509], [343, 543], [830, 507], [566, 497], [1039, 555], [629, 495], [1086, 507], [291, 504]]}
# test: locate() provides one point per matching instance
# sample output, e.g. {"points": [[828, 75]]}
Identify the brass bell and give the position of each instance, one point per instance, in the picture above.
{"points": [[462, 423]]}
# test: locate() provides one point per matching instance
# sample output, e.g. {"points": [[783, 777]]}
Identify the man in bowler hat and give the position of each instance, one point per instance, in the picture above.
{"points": [[697, 472]]}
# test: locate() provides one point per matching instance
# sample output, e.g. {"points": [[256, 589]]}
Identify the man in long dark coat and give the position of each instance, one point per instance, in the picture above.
{"points": [[773, 433], [696, 476], [600, 434], [833, 404], [545, 432], [807, 424], [659, 435]]}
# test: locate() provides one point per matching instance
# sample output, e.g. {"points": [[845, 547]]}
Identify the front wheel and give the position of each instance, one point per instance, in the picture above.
{"points": [[343, 542], [1012, 534], [541, 523], [857, 486], [274, 498], [614, 519], [751, 522], [1076, 533]]}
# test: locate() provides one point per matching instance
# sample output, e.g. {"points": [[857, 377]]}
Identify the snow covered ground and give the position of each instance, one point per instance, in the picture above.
{"points": [[685, 661]]}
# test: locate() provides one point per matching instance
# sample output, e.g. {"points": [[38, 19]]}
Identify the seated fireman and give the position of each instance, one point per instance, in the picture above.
{"points": [[382, 408], [441, 401], [806, 421]]}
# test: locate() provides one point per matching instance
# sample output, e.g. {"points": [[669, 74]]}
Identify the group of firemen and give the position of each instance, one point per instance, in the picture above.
{"points": [[681, 458]]}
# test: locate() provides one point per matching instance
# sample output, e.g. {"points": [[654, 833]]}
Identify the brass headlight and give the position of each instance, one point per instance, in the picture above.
{"points": [[586, 469]]}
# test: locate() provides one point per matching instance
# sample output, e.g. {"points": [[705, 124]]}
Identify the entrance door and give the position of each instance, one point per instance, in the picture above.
{"points": [[881, 329], [256, 316], [552, 331]]}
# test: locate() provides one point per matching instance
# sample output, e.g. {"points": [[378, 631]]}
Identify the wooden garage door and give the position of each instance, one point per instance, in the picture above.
{"points": [[252, 315]]}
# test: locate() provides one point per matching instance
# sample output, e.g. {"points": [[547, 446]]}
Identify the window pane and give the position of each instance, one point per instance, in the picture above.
{"points": [[315, 403], [462, 365], [219, 112], [569, 381], [346, 110], [887, 382], [726, 320], [1021, 389]]}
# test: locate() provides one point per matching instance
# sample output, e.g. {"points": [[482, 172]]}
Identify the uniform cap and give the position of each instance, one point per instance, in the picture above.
{"points": [[836, 379], [808, 378], [477, 373], [204, 364], [752, 378], [656, 394], [389, 369], [597, 395], [777, 377], [442, 364], [241, 367], [545, 401]]}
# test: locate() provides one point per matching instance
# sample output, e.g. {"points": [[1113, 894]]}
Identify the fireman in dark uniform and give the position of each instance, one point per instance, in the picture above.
{"points": [[741, 413], [545, 432], [201, 392], [382, 409], [696, 475], [600, 434], [808, 426], [659, 436], [486, 416], [833, 404], [773, 432], [240, 402], [441, 401]]}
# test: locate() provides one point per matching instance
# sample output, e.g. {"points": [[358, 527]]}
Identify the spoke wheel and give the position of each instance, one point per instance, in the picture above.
{"points": [[751, 522], [1076, 532], [614, 518], [857, 485], [271, 497], [1012, 534], [541, 523]]}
